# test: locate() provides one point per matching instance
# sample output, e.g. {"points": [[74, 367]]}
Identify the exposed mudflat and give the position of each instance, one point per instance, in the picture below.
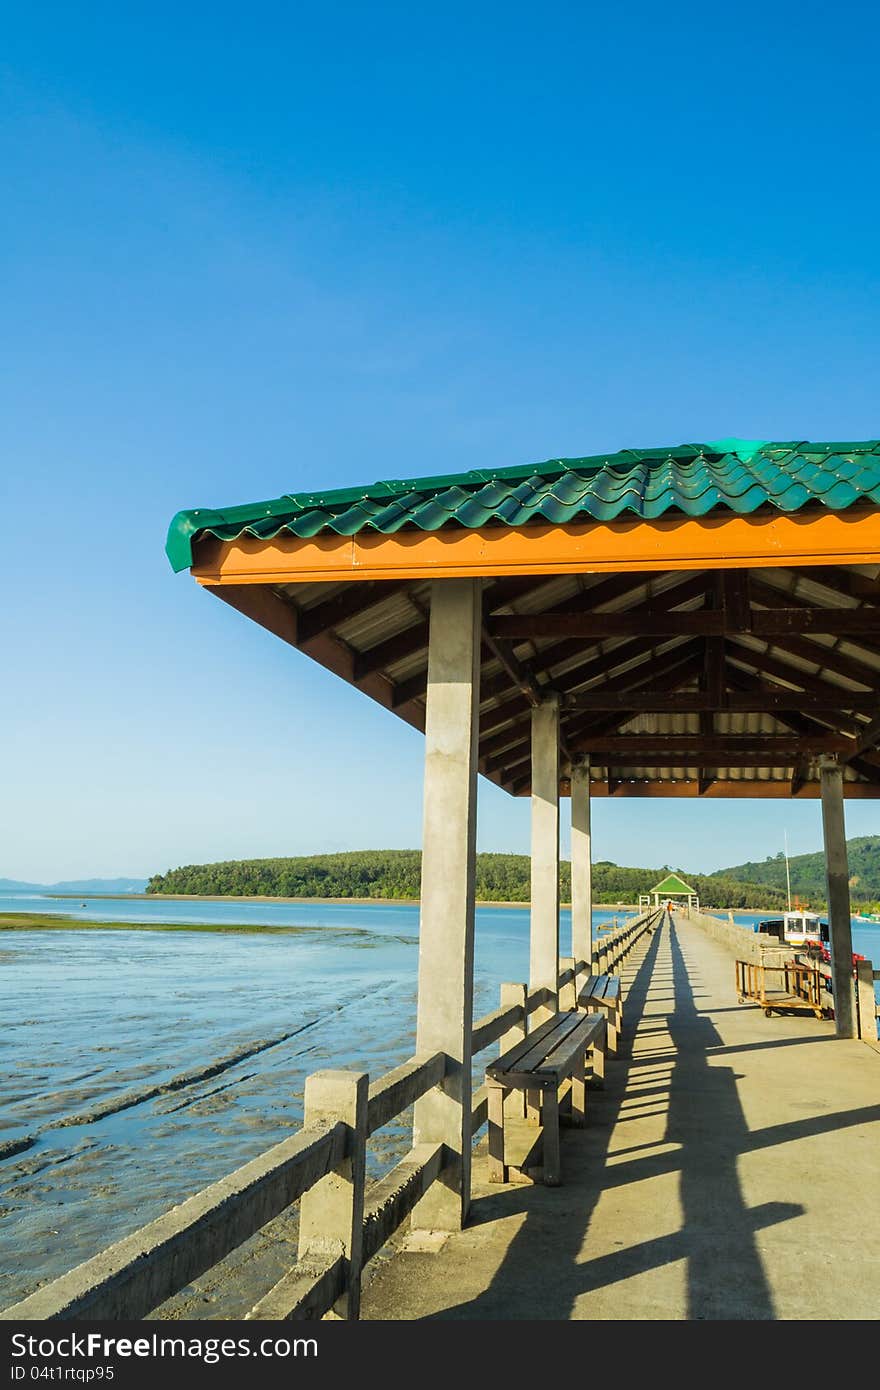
{"points": [[140, 1066]]}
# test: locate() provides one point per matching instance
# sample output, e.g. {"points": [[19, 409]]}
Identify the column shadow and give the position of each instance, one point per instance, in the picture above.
{"points": [[543, 1271]]}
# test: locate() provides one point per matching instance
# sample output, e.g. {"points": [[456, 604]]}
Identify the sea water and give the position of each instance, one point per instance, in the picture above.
{"points": [[146, 1064]]}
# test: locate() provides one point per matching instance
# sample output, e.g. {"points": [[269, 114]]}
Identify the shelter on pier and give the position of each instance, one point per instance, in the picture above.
{"points": [[701, 621], [674, 886]]}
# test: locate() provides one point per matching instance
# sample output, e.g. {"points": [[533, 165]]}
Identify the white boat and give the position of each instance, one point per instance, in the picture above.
{"points": [[796, 928], [804, 928]]}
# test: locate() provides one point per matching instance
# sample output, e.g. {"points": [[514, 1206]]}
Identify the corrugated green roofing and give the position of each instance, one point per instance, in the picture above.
{"points": [[672, 884], [693, 479]]}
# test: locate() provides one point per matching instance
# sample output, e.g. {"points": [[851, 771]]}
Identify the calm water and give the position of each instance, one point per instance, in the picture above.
{"points": [[96, 1023]]}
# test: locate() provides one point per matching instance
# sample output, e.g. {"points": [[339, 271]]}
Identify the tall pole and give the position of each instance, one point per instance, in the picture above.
{"points": [[581, 862], [839, 910], [544, 934], [446, 924], [787, 872]]}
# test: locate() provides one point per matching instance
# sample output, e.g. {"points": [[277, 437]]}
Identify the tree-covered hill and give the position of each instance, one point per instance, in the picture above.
{"points": [[808, 871], [389, 873]]}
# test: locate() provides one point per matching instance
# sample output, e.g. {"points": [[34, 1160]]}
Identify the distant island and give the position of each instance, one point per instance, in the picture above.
{"points": [[75, 885], [390, 873], [396, 873]]}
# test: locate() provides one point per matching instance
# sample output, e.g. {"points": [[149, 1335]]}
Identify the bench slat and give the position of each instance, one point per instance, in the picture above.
{"points": [[553, 1054], [560, 1063], [514, 1053], [561, 1060], [600, 989], [529, 1058]]}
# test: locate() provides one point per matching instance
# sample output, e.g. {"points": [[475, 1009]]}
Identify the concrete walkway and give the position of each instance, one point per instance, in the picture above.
{"points": [[731, 1169]]}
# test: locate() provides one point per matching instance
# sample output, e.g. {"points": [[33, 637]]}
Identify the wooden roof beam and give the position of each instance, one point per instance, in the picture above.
{"points": [[651, 620], [830, 659], [868, 740], [597, 665], [555, 653], [767, 700], [841, 581], [780, 670], [354, 600], [515, 742], [677, 747], [802, 716]]}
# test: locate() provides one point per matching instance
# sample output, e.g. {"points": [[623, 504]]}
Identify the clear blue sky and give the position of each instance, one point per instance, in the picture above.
{"points": [[255, 249]]}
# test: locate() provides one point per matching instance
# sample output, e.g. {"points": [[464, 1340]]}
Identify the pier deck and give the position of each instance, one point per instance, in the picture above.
{"points": [[729, 1170]]}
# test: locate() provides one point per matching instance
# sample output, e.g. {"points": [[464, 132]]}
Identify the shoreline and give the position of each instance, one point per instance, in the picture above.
{"points": [[45, 922], [267, 898]]}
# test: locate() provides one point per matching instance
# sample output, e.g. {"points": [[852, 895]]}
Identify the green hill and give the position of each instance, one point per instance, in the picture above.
{"points": [[808, 872], [391, 873]]}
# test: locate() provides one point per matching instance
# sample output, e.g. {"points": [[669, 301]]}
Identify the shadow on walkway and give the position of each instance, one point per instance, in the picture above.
{"points": [[543, 1271]]}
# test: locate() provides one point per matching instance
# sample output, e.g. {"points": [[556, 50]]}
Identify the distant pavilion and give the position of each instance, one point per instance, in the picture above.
{"points": [[697, 622], [673, 886]]}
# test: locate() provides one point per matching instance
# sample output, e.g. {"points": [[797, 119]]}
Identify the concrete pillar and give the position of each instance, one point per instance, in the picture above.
{"points": [[446, 926], [581, 862], [331, 1216], [544, 938], [839, 910]]}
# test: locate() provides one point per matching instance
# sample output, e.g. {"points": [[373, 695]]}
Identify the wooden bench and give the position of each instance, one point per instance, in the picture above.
{"points": [[602, 992], [538, 1066]]}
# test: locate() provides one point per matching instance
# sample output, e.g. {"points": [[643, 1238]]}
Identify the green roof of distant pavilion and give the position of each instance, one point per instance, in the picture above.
{"points": [[735, 475], [672, 884]]}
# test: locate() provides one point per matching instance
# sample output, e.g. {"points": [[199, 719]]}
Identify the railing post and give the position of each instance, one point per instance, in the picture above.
{"points": [[332, 1212], [866, 1001], [582, 970], [567, 992], [514, 994]]}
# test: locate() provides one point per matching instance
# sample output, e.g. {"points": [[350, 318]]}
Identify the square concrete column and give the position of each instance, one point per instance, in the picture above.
{"points": [[544, 938], [839, 910], [446, 925], [581, 862]]}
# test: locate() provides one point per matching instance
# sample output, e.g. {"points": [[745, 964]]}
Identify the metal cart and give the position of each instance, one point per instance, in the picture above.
{"points": [[799, 988]]}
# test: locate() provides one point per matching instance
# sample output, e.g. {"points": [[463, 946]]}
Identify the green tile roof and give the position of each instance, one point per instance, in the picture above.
{"points": [[672, 884], [691, 479]]}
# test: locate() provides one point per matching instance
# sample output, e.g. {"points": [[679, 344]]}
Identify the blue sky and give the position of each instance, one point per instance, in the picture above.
{"points": [[250, 250]]}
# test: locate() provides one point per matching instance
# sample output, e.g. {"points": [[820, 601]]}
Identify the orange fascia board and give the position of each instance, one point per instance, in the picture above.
{"points": [[718, 542]]}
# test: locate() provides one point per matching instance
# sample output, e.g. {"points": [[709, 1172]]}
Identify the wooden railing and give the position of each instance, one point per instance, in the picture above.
{"points": [[343, 1223], [864, 976]]}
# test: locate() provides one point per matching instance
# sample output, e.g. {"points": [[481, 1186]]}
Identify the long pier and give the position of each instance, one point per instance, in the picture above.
{"points": [[724, 1173]]}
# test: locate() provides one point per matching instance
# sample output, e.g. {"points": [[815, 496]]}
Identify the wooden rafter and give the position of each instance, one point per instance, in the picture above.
{"points": [[771, 665], [353, 601], [773, 749], [678, 667], [513, 748], [766, 700], [650, 618]]}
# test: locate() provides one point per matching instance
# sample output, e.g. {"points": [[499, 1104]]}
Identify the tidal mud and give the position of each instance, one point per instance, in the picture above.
{"points": [[142, 1066]]}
